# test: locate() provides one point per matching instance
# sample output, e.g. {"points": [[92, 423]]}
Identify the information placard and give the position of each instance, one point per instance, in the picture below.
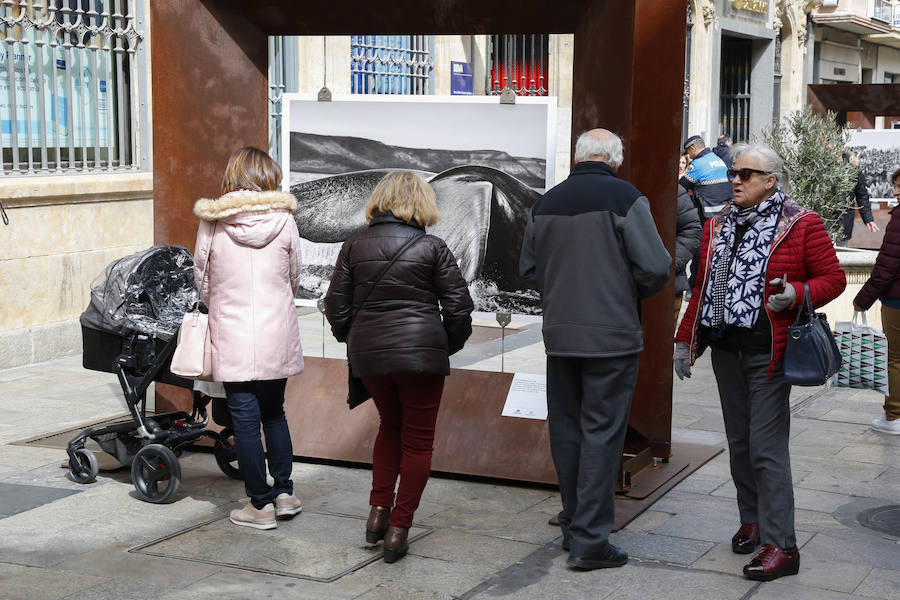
{"points": [[527, 397]]}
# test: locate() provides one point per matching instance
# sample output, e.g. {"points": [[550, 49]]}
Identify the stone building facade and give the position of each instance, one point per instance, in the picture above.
{"points": [[71, 209], [749, 63], [858, 41]]}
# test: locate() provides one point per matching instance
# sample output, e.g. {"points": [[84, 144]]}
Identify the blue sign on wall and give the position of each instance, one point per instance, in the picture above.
{"points": [[460, 79]]}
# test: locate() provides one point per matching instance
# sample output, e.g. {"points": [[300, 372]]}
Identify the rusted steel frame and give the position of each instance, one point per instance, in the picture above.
{"points": [[210, 89]]}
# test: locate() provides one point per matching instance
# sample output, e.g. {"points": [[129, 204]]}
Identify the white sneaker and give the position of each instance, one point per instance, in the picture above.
{"points": [[287, 505], [258, 518], [885, 426]]}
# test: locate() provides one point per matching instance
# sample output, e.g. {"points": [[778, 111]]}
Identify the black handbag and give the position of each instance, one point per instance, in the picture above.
{"points": [[356, 389], [812, 355], [357, 393]]}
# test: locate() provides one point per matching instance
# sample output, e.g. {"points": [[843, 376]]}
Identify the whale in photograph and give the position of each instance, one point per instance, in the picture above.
{"points": [[484, 212]]}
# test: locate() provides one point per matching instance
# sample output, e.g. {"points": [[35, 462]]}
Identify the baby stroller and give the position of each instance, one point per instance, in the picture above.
{"points": [[130, 329]]}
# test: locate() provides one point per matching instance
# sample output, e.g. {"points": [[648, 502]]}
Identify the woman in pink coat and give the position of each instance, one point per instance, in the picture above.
{"points": [[247, 266]]}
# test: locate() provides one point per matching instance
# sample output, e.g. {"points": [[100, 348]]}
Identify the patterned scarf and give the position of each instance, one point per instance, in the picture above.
{"points": [[734, 293]]}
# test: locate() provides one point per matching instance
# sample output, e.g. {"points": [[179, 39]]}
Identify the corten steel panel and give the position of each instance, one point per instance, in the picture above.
{"points": [[471, 438], [289, 17], [861, 120], [209, 98], [877, 98], [629, 79], [469, 419]]}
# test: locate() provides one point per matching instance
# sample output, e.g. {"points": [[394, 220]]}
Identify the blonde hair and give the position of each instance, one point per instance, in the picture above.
{"points": [[251, 169], [407, 196]]}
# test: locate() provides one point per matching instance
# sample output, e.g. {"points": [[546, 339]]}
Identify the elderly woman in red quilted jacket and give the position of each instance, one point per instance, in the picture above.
{"points": [[755, 257], [400, 332], [884, 285]]}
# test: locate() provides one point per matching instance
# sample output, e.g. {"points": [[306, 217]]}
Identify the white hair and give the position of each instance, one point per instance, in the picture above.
{"points": [[607, 148], [769, 159]]}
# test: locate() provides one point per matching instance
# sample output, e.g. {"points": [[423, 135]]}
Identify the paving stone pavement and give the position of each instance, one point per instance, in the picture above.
{"points": [[479, 540]]}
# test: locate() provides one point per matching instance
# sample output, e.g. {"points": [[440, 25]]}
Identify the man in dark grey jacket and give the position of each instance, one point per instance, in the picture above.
{"points": [[592, 250]]}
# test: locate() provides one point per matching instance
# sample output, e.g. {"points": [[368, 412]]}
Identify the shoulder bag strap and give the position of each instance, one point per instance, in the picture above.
{"points": [[206, 266], [805, 308], [384, 270]]}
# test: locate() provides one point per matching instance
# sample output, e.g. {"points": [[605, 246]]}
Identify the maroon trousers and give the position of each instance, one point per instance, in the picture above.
{"points": [[408, 407]]}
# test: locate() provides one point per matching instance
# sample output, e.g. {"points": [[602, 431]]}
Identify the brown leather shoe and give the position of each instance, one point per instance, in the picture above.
{"points": [[377, 523], [746, 539], [396, 543], [771, 563]]}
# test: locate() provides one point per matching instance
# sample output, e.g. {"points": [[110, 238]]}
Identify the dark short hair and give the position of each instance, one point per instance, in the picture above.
{"points": [[692, 141], [723, 139], [895, 177]]}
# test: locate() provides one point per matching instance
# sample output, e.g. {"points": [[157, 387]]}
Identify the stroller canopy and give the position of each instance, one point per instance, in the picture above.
{"points": [[146, 292]]}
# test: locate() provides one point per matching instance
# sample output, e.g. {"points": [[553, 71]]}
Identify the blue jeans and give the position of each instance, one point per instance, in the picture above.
{"points": [[252, 403]]}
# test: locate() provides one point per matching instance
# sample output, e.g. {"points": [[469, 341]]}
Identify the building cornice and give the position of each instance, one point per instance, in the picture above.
{"points": [[851, 22], [44, 190]]}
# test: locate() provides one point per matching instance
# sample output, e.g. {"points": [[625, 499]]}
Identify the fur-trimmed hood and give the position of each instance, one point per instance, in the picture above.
{"points": [[250, 218], [242, 201]]}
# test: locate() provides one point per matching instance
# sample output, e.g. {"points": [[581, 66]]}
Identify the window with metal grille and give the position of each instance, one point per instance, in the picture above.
{"points": [[69, 91], [283, 71], [735, 88], [391, 64], [518, 62]]}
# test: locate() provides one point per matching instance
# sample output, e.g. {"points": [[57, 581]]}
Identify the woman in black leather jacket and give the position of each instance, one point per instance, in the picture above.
{"points": [[400, 342]]}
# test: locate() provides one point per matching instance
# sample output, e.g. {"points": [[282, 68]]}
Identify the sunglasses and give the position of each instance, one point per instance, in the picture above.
{"points": [[744, 174]]}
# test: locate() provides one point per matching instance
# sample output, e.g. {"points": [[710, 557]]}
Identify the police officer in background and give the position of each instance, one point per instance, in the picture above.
{"points": [[707, 181]]}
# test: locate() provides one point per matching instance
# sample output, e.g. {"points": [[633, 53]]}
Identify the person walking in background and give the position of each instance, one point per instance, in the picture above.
{"points": [[884, 285], [723, 149], [756, 257], [247, 266], [857, 199], [707, 181], [688, 232], [404, 329], [592, 250]]}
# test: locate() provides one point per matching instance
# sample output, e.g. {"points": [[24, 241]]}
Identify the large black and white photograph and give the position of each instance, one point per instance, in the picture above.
{"points": [[879, 154], [487, 162]]}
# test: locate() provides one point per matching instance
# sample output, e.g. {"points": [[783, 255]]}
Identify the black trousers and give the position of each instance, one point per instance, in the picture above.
{"points": [[757, 416], [588, 400]]}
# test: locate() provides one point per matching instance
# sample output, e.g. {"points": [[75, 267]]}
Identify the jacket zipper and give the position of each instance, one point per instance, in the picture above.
{"points": [[709, 250]]}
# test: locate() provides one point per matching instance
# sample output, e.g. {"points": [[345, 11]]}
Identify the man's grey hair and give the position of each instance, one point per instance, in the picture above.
{"points": [[606, 148], [769, 161]]}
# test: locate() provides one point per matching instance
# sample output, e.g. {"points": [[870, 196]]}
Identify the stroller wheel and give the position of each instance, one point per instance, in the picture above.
{"points": [[156, 473], [83, 467], [226, 455]]}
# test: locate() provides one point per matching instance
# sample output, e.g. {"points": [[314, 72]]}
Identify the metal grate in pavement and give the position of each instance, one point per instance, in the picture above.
{"points": [[316, 546], [885, 519]]}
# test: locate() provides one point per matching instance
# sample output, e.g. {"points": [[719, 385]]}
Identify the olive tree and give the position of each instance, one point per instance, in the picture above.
{"points": [[811, 146]]}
